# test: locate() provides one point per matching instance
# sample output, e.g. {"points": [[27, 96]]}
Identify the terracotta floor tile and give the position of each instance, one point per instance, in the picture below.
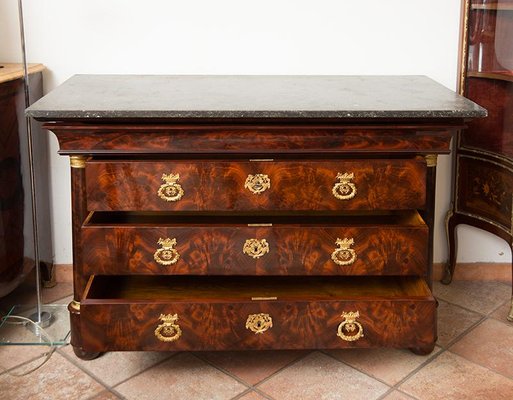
{"points": [[252, 366], [183, 376], [58, 379], [320, 377], [388, 365], [397, 395], [11, 356], [252, 396], [450, 376], [106, 395], [502, 313], [453, 321], [116, 366], [490, 344], [480, 296]]}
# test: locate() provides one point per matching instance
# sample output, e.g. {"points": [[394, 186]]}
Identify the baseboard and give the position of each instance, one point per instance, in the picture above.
{"points": [[63, 272], [463, 272], [476, 272]]}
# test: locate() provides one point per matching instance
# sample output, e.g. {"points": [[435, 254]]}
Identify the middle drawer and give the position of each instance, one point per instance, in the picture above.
{"points": [[392, 244], [243, 185]]}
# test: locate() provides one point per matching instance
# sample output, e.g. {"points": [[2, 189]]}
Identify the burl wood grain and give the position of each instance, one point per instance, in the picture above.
{"points": [[265, 138], [219, 185], [296, 325], [218, 250]]}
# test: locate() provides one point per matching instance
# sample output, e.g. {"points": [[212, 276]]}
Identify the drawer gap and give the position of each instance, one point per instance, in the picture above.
{"points": [[158, 288], [107, 218]]}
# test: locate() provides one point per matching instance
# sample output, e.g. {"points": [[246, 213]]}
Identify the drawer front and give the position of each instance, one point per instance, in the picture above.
{"points": [[485, 189], [243, 250], [249, 186], [222, 326]]}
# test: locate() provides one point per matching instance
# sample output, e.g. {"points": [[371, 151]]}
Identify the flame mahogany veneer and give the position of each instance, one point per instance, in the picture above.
{"points": [[280, 232]]}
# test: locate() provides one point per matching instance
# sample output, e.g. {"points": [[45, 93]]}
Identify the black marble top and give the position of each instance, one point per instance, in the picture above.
{"points": [[245, 96]]}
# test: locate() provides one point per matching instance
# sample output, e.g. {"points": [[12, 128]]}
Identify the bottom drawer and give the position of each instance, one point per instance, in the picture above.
{"points": [[237, 313]]}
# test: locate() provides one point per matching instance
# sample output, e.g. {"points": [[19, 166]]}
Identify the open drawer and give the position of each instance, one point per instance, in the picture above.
{"points": [[392, 244], [230, 313]]}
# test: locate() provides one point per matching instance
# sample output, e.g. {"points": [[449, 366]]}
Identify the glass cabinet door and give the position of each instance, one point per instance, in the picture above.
{"points": [[489, 75]]}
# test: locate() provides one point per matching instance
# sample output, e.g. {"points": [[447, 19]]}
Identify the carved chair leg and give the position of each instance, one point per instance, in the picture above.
{"points": [[450, 230], [510, 315]]}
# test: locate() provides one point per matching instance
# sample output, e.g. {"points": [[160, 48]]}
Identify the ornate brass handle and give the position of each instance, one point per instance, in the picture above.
{"points": [[343, 255], [168, 330], [259, 323], [255, 248], [170, 190], [349, 325], [167, 254], [344, 189], [257, 183]]}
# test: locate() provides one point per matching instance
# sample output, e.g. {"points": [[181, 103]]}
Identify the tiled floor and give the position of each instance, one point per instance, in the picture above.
{"points": [[473, 360]]}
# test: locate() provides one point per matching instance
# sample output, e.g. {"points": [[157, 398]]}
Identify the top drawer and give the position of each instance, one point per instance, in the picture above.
{"points": [[238, 185]]}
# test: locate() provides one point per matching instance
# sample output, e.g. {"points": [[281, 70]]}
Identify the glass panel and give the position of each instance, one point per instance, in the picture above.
{"points": [[14, 332], [490, 76], [494, 133], [490, 38]]}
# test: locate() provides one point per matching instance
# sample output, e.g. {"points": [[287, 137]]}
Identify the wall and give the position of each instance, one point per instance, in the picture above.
{"points": [[241, 37]]}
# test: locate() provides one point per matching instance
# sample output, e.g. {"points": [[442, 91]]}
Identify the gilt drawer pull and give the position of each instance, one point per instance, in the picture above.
{"points": [[255, 248], [350, 325], [167, 254], [344, 255], [259, 323], [257, 183], [169, 330], [344, 189], [171, 190]]}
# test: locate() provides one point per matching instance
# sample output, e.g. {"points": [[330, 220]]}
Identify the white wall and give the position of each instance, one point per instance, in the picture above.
{"points": [[241, 37]]}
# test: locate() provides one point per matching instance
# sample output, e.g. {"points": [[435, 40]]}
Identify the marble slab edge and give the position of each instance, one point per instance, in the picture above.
{"points": [[237, 114]]}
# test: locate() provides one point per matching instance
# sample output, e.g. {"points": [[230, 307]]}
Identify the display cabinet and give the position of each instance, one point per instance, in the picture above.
{"points": [[16, 226], [484, 150]]}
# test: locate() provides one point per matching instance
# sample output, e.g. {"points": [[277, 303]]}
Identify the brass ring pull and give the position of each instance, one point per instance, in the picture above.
{"points": [[171, 190], [255, 248], [257, 183], [169, 330], [350, 325], [344, 189], [167, 254], [259, 323], [344, 255]]}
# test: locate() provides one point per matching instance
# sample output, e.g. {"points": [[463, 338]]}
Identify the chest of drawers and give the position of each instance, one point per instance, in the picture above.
{"points": [[223, 213]]}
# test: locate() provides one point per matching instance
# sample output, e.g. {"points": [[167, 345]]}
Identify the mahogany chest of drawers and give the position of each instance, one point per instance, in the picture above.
{"points": [[223, 213]]}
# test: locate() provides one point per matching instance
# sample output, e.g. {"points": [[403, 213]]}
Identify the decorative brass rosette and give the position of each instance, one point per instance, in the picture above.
{"points": [[350, 329], [167, 254], [258, 183], [171, 190], [344, 255], [255, 248], [344, 189], [168, 330], [259, 323]]}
